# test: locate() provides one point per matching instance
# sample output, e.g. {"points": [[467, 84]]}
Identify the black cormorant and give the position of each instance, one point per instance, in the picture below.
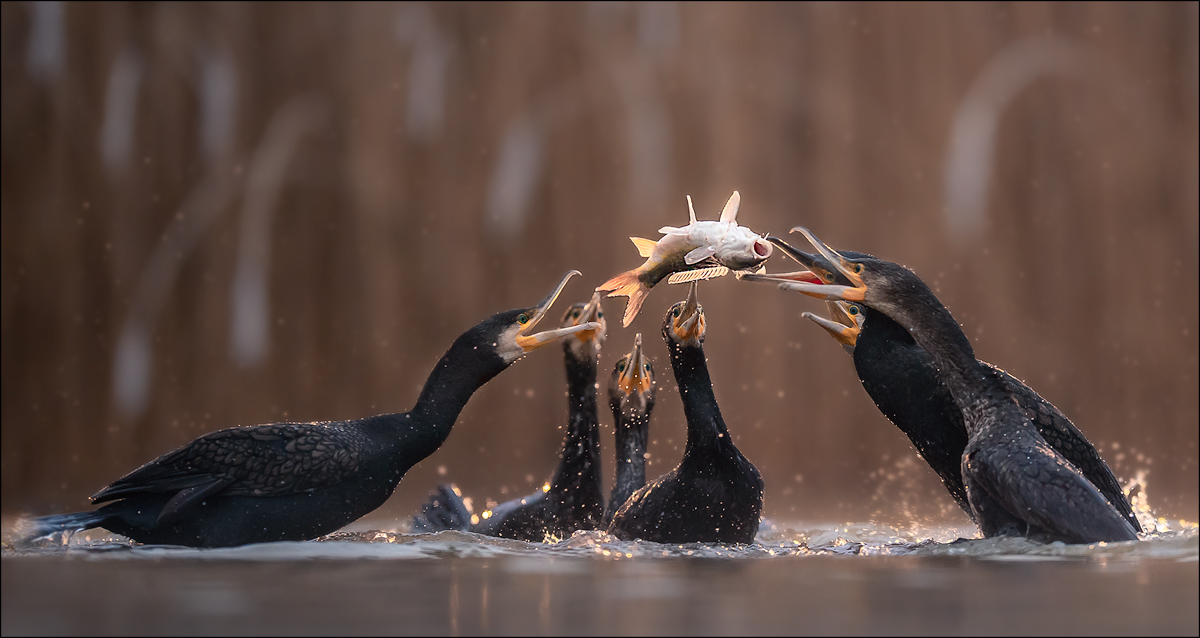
{"points": [[298, 481], [715, 495], [1016, 482], [631, 391], [903, 381], [572, 499]]}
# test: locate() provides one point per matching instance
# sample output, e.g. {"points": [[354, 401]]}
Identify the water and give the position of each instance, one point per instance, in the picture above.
{"points": [[843, 579]]}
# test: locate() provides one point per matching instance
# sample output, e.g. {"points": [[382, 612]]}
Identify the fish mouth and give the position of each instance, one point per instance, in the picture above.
{"points": [[801, 257], [844, 324], [635, 378], [689, 323], [530, 340], [811, 284], [590, 314]]}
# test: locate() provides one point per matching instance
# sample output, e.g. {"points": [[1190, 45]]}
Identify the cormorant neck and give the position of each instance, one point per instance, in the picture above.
{"points": [[631, 434], [465, 367], [706, 428], [934, 329], [580, 451]]}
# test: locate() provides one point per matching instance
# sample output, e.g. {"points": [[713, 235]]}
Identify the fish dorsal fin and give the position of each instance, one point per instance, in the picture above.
{"points": [[691, 211], [699, 274], [731, 208], [644, 246]]}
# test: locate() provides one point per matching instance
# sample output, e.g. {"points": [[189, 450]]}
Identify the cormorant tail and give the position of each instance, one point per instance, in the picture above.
{"points": [[43, 526], [444, 510]]}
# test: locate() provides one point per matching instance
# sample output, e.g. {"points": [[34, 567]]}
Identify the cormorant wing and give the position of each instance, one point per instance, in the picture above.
{"points": [[1067, 440], [261, 460], [1039, 486]]}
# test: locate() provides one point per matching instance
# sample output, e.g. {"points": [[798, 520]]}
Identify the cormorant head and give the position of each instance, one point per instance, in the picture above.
{"points": [[586, 343], [516, 336], [856, 277], [684, 323], [844, 323], [631, 387]]}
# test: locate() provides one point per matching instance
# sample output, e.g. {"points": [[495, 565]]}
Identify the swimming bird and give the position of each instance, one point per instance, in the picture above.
{"points": [[904, 383], [1016, 482], [298, 481], [715, 494], [631, 391], [572, 499]]}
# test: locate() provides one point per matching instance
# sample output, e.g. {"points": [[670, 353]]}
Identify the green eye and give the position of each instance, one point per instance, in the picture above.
{"points": [[853, 310], [620, 366], [647, 367], [575, 315], [858, 268], [675, 311], [600, 315], [523, 319]]}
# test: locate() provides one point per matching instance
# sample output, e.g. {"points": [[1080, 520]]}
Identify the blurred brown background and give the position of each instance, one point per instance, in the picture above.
{"points": [[229, 214]]}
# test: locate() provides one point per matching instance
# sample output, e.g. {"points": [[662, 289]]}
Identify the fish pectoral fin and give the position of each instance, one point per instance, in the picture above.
{"points": [[644, 246], [698, 255], [700, 274]]}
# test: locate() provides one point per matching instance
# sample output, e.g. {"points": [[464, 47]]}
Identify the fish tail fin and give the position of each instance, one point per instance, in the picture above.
{"points": [[627, 284]]}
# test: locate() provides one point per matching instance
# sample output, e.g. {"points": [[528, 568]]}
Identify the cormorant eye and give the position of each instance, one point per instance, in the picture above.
{"points": [[647, 367], [523, 319], [600, 315], [620, 366], [853, 310], [575, 315], [858, 268], [675, 311]]}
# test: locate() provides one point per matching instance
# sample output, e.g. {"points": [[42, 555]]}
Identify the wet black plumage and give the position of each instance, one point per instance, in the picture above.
{"points": [[297, 481], [573, 498], [1016, 482], [715, 494], [903, 381], [631, 393]]}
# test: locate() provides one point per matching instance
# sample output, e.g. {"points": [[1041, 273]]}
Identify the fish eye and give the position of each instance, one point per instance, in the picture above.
{"points": [[523, 319], [620, 366]]}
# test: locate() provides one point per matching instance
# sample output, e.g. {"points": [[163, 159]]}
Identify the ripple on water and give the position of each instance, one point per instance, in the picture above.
{"points": [[774, 540]]}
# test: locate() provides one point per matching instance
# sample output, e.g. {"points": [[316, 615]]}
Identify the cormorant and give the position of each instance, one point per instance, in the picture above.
{"points": [[572, 499], [1016, 482], [631, 391], [298, 481], [715, 495], [904, 383]]}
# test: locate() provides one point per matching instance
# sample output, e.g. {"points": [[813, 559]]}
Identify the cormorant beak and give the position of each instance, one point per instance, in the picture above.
{"points": [[690, 322], [635, 377], [856, 291], [590, 313], [529, 340], [844, 327], [803, 258]]}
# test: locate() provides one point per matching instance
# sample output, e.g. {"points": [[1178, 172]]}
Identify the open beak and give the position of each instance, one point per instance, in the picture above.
{"points": [[803, 258], [635, 377], [844, 327], [856, 291], [690, 322], [530, 340], [590, 313]]}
